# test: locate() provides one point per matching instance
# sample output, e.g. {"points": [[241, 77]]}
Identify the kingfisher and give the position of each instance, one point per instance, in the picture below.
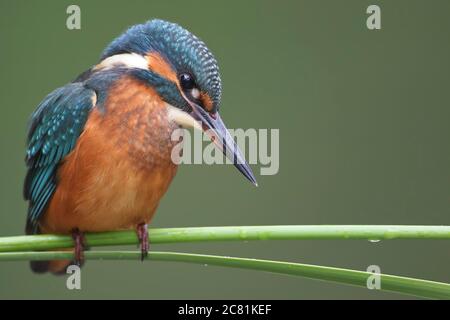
{"points": [[99, 149]]}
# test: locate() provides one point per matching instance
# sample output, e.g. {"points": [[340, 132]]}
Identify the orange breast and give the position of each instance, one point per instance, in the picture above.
{"points": [[120, 167]]}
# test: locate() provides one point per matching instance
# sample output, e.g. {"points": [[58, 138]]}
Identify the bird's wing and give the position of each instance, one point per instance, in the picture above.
{"points": [[53, 132]]}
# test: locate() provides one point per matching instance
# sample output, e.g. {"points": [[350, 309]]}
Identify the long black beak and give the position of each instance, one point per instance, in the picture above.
{"points": [[213, 125]]}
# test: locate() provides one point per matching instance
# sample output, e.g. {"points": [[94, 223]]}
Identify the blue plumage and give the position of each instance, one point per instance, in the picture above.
{"points": [[54, 129], [183, 50]]}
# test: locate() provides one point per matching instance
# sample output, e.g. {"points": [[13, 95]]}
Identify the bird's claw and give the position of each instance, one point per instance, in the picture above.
{"points": [[79, 246], [142, 233]]}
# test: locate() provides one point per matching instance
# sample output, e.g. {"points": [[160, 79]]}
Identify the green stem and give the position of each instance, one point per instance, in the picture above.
{"points": [[410, 286], [202, 234]]}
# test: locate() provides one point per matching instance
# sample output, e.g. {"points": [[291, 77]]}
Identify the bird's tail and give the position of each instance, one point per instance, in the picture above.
{"points": [[57, 267]]}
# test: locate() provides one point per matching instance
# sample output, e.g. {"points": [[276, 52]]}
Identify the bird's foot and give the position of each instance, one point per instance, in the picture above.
{"points": [[79, 242], [142, 233]]}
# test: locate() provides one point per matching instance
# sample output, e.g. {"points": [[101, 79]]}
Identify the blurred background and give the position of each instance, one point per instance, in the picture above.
{"points": [[364, 138]]}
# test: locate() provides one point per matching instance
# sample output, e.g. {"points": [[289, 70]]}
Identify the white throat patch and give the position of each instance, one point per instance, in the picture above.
{"points": [[183, 119]]}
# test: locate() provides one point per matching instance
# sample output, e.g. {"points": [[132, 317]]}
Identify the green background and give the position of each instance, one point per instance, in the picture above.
{"points": [[364, 137]]}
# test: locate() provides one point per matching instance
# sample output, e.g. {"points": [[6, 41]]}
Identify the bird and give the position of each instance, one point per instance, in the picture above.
{"points": [[99, 148]]}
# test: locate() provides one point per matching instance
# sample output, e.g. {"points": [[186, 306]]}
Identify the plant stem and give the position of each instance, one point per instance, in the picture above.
{"points": [[202, 234], [410, 286]]}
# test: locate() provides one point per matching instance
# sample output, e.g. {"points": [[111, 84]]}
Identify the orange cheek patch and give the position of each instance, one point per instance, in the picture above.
{"points": [[206, 101], [159, 65]]}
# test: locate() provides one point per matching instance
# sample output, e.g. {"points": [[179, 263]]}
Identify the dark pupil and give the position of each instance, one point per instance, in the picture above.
{"points": [[187, 82]]}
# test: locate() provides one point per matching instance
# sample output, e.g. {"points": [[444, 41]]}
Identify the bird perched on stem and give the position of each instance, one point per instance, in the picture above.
{"points": [[99, 148]]}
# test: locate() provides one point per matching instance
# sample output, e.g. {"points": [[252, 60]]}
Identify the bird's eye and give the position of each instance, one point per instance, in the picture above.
{"points": [[187, 81]]}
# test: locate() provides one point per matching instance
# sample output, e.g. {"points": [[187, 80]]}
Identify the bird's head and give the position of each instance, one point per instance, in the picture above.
{"points": [[185, 74]]}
